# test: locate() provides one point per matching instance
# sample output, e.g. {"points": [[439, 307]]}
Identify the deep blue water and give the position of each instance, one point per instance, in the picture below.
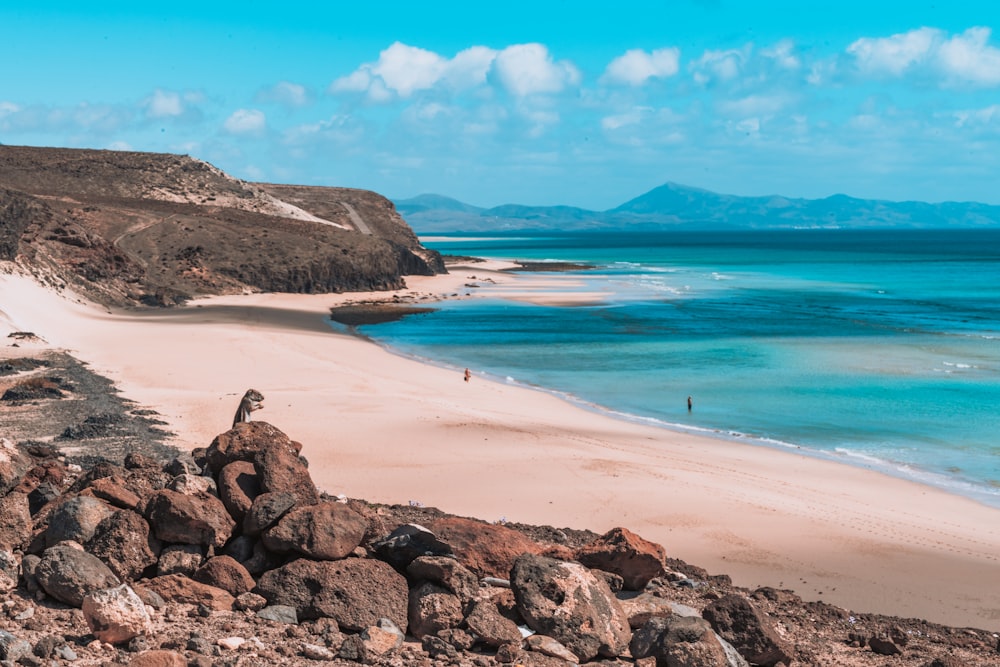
{"points": [[880, 348]]}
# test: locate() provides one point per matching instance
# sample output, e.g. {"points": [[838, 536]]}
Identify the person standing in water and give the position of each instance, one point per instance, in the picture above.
{"points": [[468, 375], [690, 404]]}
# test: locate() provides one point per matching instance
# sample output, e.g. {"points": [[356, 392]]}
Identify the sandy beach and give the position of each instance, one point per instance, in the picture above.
{"points": [[389, 429]]}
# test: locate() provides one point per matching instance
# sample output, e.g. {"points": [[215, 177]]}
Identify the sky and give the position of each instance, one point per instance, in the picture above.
{"points": [[545, 102]]}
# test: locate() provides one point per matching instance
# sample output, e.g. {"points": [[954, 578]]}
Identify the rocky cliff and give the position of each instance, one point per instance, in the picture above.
{"points": [[127, 228]]}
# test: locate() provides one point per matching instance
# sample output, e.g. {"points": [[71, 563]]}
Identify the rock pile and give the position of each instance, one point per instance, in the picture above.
{"points": [[241, 526], [236, 537]]}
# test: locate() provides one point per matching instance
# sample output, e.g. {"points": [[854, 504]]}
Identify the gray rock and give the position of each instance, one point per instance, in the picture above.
{"points": [[68, 574], [324, 531], [409, 542], [123, 540], [12, 648], [180, 559], [433, 609], [266, 510], [279, 613], [76, 520], [742, 625], [566, 601]]}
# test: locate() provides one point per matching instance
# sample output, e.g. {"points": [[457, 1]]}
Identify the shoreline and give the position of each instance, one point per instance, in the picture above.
{"points": [[388, 428]]}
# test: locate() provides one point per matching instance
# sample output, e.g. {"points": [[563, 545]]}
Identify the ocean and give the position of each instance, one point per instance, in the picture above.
{"points": [[876, 348]]}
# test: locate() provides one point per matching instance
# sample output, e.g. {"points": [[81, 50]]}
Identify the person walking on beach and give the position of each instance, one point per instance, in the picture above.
{"points": [[690, 404], [468, 375]]}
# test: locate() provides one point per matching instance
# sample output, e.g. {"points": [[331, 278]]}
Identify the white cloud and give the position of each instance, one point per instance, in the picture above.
{"points": [[755, 105], [631, 117], [636, 66], [245, 121], [978, 117], [894, 54], [164, 104], [8, 108], [720, 65], [783, 54], [403, 70], [528, 69], [285, 92], [968, 57], [965, 58]]}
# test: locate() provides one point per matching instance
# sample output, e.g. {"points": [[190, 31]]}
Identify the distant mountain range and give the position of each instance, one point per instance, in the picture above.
{"points": [[675, 206]]}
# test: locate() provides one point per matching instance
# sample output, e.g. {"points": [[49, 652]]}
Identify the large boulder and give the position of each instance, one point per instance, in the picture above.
{"points": [[15, 521], [355, 592], [486, 549], [76, 520], [280, 469], [14, 464], [238, 486], [567, 602], [490, 627], [68, 573], [225, 573], [242, 442], [327, 531], [433, 609], [742, 625], [195, 519], [446, 572], [681, 641], [123, 540], [266, 510], [115, 615], [626, 554], [178, 588]]}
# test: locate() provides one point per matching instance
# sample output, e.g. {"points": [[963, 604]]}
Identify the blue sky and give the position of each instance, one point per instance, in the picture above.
{"points": [[580, 103]]}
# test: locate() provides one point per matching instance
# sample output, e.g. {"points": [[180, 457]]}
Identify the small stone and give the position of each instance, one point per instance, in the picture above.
{"points": [[116, 615], [13, 648], [231, 643], [250, 602], [280, 613], [317, 652]]}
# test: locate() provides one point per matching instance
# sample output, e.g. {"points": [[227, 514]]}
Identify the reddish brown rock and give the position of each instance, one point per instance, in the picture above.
{"points": [[178, 588], [243, 442], [490, 627], [279, 469], [486, 549], [447, 572], [626, 554], [742, 625], [113, 491], [238, 486], [225, 573], [567, 602], [355, 592], [124, 541], [197, 519], [327, 531], [159, 658], [433, 609], [15, 522]]}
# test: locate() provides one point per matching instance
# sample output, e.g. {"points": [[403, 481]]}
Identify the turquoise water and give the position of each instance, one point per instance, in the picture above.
{"points": [[880, 348]]}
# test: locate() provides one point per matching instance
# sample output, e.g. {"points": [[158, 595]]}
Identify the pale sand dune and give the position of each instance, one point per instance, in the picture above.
{"points": [[389, 429]]}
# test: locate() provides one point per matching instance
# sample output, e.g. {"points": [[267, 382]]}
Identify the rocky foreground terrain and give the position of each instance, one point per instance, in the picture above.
{"points": [[117, 550], [129, 228]]}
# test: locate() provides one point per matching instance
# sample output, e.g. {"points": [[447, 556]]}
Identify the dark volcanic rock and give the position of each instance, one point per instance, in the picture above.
{"points": [[68, 574], [490, 627], [742, 625], [195, 519], [326, 531], [225, 573], [266, 510], [446, 572], [243, 442], [570, 604], [178, 588], [354, 592], [407, 543], [280, 469], [123, 541], [76, 519], [433, 609], [679, 640]]}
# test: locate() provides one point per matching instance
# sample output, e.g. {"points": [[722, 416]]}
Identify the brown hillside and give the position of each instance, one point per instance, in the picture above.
{"points": [[128, 228]]}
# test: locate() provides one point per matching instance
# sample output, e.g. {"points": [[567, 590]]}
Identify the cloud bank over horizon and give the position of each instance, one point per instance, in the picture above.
{"points": [[909, 114]]}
